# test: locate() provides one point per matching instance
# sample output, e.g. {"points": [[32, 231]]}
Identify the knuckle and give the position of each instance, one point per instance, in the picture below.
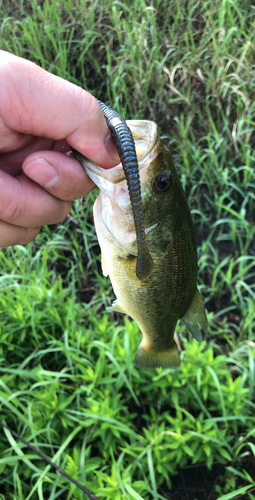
{"points": [[12, 210], [90, 104]]}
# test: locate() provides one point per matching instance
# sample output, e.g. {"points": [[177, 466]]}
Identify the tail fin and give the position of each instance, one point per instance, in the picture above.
{"points": [[195, 317], [151, 359]]}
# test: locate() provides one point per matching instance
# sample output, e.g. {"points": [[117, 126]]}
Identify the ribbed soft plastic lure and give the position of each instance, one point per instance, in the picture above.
{"points": [[124, 142]]}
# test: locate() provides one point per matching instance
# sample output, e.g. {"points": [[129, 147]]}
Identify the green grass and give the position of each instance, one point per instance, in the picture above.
{"points": [[68, 382]]}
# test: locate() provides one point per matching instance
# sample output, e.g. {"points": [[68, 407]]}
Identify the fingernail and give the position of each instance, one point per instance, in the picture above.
{"points": [[111, 149], [41, 172]]}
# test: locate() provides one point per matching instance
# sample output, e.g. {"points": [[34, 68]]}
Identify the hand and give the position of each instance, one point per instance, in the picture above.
{"points": [[40, 116]]}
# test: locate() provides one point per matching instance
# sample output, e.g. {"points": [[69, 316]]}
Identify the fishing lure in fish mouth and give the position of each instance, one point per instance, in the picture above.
{"points": [[124, 142]]}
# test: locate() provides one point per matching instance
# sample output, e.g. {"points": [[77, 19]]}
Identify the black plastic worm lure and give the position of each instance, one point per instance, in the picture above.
{"points": [[124, 142]]}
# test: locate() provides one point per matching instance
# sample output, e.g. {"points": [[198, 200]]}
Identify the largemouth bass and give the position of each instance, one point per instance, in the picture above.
{"points": [[168, 292]]}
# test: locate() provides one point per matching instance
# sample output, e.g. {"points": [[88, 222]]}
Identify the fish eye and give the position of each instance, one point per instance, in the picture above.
{"points": [[161, 182]]}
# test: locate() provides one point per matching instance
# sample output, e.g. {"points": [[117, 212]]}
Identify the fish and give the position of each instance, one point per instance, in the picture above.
{"points": [[167, 291]]}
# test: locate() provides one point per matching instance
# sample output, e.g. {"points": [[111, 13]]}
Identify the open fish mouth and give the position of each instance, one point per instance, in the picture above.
{"points": [[115, 205], [146, 137]]}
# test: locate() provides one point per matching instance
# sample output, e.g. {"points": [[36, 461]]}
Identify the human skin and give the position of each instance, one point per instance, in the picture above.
{"points": [[41, 116]]}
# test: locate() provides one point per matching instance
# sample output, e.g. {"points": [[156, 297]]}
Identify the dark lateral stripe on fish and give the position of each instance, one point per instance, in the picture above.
{"points": [[124, 142]]}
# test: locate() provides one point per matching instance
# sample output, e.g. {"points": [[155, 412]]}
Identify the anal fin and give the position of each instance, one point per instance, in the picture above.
{"points": [[195, 317]]}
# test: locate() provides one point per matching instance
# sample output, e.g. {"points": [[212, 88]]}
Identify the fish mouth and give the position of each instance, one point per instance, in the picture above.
{"points": [[115, 205], [146, 137]]}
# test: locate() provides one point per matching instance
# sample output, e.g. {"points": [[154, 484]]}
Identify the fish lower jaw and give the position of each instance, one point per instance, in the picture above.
{"points": [[150, 358]]}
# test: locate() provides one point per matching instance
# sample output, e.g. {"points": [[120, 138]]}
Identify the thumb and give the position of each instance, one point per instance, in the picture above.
{"points": [[35, 102]]}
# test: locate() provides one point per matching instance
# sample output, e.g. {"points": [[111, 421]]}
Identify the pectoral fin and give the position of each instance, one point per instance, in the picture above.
{"points": [[115, 307], [195, 317], [103, 264]]}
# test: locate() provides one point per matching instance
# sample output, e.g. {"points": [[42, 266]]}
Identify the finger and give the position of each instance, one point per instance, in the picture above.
{"points": [[26, 204], [48, 106], [60, 175], [16, 235], [12, 162]]}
